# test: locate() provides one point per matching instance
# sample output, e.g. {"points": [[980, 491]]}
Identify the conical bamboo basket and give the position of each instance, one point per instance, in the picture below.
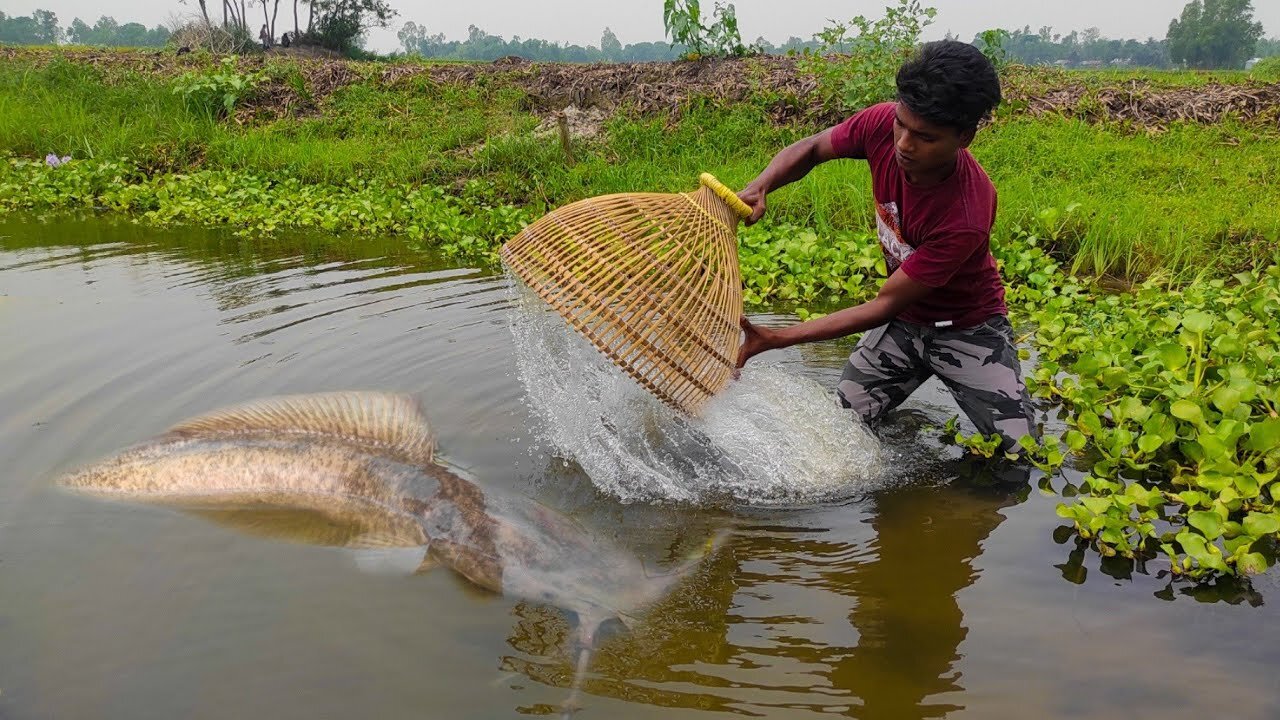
{"points": [[651, 279]]}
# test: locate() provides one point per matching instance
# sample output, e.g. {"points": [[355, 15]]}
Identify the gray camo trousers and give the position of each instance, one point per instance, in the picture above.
{"points": [[979, 365]]}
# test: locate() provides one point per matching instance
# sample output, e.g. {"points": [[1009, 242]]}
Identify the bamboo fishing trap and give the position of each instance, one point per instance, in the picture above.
{"points": [[651, 279]]}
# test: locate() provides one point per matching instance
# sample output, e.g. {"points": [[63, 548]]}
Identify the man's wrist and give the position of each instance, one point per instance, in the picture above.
{"points": [[775, 339]]}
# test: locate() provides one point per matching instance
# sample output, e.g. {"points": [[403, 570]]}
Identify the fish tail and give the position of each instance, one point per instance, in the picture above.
{"points": [[586, 643]]}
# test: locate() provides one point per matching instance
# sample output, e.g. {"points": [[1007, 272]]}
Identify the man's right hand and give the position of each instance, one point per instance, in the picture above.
{"points": [[753, 196]]}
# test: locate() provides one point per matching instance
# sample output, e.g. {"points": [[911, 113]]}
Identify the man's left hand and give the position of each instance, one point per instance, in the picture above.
{"points": [[757, 340]]}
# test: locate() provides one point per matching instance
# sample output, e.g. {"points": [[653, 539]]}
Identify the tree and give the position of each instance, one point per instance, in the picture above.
{"points": [[411, 37], [610, 46], [1268, 48], [47, 30], [40, 28], [131, 35], [339, 24], [79, 32], [1214, 34]]}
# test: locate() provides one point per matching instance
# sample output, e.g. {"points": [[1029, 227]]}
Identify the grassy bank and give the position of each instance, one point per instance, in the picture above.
{"points": [[1191, 197]]}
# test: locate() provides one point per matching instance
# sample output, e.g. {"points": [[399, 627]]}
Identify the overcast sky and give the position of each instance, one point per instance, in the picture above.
{"points": [[581, 21]]}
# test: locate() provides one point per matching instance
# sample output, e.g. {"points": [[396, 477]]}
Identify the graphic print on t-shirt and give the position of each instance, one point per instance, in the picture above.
{"points": [[889, 229]]}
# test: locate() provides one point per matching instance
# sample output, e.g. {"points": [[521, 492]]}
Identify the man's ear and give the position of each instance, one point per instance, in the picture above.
{"points": [[966, 137]]}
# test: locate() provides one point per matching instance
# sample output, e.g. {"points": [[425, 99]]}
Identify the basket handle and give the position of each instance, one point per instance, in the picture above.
{"points": [[724, 193]]}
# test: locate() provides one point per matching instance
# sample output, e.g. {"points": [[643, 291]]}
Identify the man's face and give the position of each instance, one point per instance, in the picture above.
{"points": [[923, 148]]}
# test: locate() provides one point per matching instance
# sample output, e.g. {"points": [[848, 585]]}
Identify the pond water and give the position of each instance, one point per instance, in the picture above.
{"points": [[940, 594]]}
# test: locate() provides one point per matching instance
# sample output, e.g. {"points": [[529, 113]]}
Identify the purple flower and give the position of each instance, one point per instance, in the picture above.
{"points": [[53, 161]]}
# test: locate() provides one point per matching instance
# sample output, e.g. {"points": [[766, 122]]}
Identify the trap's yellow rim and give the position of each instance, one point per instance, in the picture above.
{"points": [[724, 193]]}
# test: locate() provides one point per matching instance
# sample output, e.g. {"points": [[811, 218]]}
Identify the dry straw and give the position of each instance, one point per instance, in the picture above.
{"points": [[651, 279]]}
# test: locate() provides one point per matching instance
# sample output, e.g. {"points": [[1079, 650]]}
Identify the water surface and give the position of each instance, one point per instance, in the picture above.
{"points": [[943, 594]]}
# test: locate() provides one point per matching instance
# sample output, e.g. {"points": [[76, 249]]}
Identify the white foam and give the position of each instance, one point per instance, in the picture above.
{"points": [[770, 438]]}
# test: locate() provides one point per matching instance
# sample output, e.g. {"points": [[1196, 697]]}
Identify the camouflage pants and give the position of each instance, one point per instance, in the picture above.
{"points": [[979, 365]]}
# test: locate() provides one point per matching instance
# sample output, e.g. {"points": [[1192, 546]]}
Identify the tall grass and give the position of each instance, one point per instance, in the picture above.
{"points": [[1180, 201], [69, 108]]}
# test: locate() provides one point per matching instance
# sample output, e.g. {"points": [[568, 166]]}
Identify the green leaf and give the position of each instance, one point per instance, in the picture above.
{"points": [[1187, 410], [1197, 322], [1252, 564], [1191, 543], [1096, 505], [1247, 485], [1172, 355], [1213, 482], [1261, 524], [1149, 444], [1207, 522], [1226, 399], [1191, 498], [1089, 423], [1133, 409], [1075, 440], [1264, 436]]}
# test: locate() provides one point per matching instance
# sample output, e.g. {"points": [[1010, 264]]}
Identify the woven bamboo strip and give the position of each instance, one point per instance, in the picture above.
{"points": [[650, 279]]}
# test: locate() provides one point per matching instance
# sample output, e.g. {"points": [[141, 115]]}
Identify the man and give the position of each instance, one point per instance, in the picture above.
{"points": [[941, 311]]}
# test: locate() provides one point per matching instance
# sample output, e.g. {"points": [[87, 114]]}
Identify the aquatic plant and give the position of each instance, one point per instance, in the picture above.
{"points": [[1172, 398], [469, 226]]}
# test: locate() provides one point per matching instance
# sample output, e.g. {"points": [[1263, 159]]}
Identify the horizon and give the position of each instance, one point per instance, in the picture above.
{"points": [[639, 23]]}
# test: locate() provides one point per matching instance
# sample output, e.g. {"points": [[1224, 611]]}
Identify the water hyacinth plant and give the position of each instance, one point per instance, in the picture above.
{"points": [[53, 161], [1175, 415]]}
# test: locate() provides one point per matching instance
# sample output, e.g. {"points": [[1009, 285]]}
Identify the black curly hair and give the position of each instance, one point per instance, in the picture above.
{"points": [[949, 83]]}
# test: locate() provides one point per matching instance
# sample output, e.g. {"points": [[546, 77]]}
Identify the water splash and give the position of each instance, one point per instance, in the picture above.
{"points": [[771, 438]]}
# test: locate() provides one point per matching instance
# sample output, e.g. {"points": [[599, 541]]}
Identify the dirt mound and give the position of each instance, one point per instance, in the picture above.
{"points": [[789, 95], [1140, 104], [771, 82]]}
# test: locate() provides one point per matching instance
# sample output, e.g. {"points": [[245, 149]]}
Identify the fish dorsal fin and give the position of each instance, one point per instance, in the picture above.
{"points": [[383, 420]]}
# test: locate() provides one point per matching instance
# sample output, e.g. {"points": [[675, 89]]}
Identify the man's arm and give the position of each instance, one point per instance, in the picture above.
{"points": [[897, 294], [792, 163]]}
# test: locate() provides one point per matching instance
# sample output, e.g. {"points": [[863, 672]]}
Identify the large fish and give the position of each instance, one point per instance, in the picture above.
{"points": [[364, 463]]}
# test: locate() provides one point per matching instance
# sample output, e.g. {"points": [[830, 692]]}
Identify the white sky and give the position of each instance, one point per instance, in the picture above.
{"points": [[581, 21]]}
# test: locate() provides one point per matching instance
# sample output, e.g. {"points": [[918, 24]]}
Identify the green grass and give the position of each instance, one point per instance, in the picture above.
{"points": [[68, 108], [1181, 201]]}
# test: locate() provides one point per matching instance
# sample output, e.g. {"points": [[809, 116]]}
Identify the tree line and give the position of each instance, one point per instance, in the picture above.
{"points": [[335, 24], [1207, 34], [1027, 46], [482, 46], [41, 28]]}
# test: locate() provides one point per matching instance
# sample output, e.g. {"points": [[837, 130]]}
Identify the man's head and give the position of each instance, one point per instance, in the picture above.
{"points": [[944, 92]]}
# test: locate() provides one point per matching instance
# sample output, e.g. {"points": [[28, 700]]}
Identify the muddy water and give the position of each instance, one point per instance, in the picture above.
{"points": [[943, 595]]}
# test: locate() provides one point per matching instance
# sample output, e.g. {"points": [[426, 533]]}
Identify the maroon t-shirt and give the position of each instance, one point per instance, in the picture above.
{"points": [[940, 235]]}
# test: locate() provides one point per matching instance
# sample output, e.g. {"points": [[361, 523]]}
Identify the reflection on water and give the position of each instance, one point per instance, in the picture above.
{"points": [[943, 594]]}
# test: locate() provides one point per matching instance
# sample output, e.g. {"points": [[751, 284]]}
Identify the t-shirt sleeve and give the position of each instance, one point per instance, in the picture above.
{"points": [[853, 137], [938, 259]]}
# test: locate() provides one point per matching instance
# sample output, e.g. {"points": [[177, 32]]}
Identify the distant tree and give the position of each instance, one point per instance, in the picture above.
{"points": [[610, 46], [1268, 48], [132, 35], [78, 32], [47, 27], [411, 36], [1214, 34], [40, 28], [106, 31], [340, 24]]}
